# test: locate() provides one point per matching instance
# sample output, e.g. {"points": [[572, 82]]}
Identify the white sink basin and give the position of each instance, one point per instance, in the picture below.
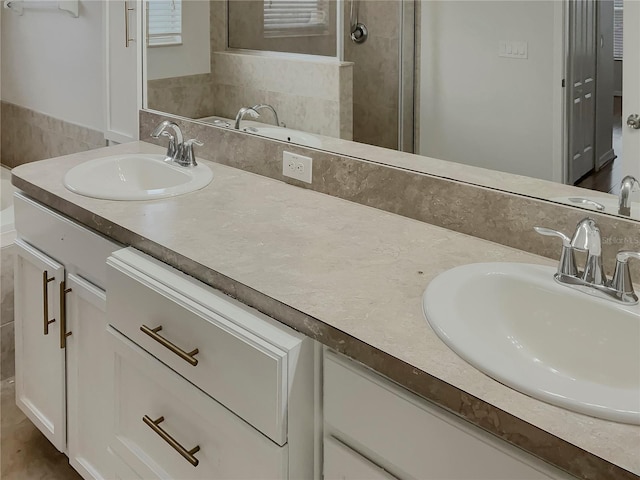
{"points": [[135, 177], [514, 323], [285, 135]]}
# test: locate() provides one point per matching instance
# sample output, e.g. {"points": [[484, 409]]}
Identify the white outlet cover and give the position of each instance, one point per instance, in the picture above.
{"points": [[302, 166]]}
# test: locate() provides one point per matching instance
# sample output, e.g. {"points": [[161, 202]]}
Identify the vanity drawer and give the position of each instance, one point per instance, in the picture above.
{"points": [[411, 438], [227, 447], [242, 357], [63, 240]]}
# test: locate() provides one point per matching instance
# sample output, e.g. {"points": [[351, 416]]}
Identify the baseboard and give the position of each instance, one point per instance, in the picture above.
{"points": [[606, 158]]}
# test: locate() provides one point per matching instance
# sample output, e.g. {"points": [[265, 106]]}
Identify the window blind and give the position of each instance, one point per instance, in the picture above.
{"points": [[164, 22], [617, 29], [288, 18]]}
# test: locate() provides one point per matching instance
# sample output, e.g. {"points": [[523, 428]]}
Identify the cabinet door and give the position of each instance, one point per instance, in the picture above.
{"points": [[40, 362], [88, 384]]}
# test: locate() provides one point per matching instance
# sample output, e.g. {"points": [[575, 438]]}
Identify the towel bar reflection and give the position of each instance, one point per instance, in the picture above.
{"points": [[18, 6]]}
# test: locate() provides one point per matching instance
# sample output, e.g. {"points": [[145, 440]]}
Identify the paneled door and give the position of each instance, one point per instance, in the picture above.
{"points": [[581, 84], [40, 362]]}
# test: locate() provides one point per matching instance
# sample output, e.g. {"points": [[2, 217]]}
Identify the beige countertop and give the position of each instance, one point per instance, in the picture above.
{"points": [[351, 277]]}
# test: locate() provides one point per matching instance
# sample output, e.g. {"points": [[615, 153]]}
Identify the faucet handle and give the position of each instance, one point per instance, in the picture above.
{"points": [[189, 157], [567, 265], [621, 281], [587, 239]]}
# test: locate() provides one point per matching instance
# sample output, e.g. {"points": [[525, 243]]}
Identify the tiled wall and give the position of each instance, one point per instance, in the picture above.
{"points": [[28, 136], [313, 96], [7, 348], [376, 73], [190, 96]]}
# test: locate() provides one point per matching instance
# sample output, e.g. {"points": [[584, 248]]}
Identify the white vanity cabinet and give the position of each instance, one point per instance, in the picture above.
{"points": [[375, 429], [60, 334], [204, 387]]}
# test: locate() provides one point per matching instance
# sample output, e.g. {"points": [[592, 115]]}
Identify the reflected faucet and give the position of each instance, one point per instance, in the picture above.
{"points": [[629, 184], [269, 107], [242, 112]]}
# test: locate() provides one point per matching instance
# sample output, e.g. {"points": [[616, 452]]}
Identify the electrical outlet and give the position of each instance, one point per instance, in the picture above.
{"points": [[297, 166]]}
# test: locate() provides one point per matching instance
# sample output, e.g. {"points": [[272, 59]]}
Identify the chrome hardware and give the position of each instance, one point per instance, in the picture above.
{"points": [[178, 151], [176, 142], [593, 279], [188, 157], [187, 454], [127, 10], [359, 32], [186, 356], [628, 185], [587, 239], [633, 121], [621, 281], [242, 112], [255, 108], [586, 201], [567, 265], [45, 301], [63, 315]]}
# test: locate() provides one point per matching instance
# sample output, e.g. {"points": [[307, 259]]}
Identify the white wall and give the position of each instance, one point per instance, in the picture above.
{"points": [[481, 109], [193, 56], [53, 63]]}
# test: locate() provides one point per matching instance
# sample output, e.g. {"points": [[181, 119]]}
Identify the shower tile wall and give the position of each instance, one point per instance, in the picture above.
{"points": [[189, 96], [376, 73], [28, 136]]}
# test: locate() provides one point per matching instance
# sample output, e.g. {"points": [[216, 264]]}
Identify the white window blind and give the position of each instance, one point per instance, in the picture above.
{"points": [[617, 29], [164, 22], [292, 18]]}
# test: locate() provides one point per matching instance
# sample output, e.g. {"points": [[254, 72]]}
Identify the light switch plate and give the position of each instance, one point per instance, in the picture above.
{"points": [[513, 49]]}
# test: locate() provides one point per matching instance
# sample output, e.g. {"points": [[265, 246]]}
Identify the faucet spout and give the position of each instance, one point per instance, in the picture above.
{"points": [[629, 184], [242, 112], [176, 140], [268, 107]]}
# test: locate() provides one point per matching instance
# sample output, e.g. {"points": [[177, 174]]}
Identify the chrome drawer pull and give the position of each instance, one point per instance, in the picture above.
{"points": [[187, 454], [45, 300], [187, 356]]}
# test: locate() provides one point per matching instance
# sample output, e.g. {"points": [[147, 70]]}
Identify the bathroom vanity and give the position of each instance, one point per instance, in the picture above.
{"points": [[253, 329]]}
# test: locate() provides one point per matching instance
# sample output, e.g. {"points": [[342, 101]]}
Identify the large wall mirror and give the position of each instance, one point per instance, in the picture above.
{"points": [[529, 87]]}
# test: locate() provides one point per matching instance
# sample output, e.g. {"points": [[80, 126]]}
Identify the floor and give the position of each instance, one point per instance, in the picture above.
{"points": [[608, 178], [25, 453]]}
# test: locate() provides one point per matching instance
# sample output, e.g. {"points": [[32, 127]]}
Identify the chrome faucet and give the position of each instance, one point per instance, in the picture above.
{"points": [[178, 151], [592, 279], [269, 107], [629, 184], [242, 112]]}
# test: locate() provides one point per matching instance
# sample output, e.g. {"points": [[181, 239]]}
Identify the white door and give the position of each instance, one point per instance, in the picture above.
{"points": [[581, 87], [88, 386], [123, 96], [40, 362], [631, 87]]}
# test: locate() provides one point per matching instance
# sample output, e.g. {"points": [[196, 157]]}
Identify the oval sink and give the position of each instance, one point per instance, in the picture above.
{"points": [[516, 324], [135, 177]]}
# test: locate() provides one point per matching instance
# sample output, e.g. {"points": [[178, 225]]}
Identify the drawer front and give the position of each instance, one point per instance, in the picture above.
{"points": [[209, 442], [342, 463], [238, 368], [64, 240], [412, 438]]}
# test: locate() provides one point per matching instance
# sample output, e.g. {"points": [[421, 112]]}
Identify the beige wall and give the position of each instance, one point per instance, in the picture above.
{"points": [[190, 96]]}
